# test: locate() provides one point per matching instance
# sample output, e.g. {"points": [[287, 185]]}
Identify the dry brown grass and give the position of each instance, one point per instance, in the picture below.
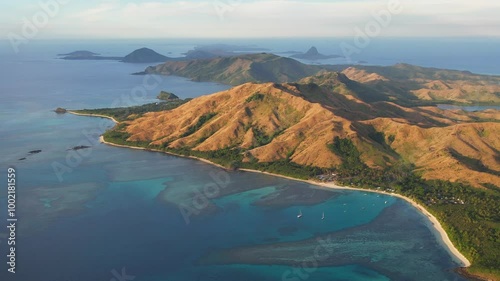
{"points": [[448, 145]]}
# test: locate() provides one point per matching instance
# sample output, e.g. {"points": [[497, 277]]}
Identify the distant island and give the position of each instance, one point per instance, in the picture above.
{"points": [[220, 50], [60, 110], [85, 55], [146, 55], [143, 55], [403, 84], [313, 54], [235, 70]]}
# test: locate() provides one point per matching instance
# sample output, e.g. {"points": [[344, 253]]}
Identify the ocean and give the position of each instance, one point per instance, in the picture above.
{"points": [[108, 213]]}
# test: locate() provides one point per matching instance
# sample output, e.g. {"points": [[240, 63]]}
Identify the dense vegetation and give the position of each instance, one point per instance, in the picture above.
{"points": [[351, 163], [255, 97], [201, 121], [285, 167], [261, 138], [470, 216], [233, 159]]}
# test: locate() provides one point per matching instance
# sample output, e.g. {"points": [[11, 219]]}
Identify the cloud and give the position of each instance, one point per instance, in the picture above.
{"points": [[271, 18], [98, 13]]}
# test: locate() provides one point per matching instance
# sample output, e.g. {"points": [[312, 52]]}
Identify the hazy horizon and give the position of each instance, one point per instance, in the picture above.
{"points": [[236, 19]]}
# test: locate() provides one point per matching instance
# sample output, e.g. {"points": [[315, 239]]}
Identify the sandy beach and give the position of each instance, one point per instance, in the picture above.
{"points": [[101, 139], [92, 115], [434, 223]]}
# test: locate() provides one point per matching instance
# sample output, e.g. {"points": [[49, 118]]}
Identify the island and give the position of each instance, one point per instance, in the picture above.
{"points": [[60, 110], [85, 55], [313, 54], [146, 55], [404, 84], [366, 127], [142, 55], [167, 96]]}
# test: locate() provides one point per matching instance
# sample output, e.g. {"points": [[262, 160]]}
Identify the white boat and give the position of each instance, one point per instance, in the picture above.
{"points": [[323, 217], [300, 214]]}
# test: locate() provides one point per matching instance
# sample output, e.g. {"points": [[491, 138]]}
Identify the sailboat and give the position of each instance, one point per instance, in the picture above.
{"points": [[323, 217], [300, 214]]}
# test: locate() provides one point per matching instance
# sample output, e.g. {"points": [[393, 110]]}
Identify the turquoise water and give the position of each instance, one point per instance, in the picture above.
{"points": [[160, 217]]}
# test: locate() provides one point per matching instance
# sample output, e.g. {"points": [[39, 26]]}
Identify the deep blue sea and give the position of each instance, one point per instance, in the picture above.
{"points": [[108, 213]]}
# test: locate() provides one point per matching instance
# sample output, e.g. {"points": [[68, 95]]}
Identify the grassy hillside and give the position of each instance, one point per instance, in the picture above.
{"points": [[296, 121], [419, 85]]}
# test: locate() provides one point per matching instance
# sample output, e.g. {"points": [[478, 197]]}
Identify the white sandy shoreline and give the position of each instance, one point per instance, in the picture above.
{"points": [[92, 115], [435, 225]]}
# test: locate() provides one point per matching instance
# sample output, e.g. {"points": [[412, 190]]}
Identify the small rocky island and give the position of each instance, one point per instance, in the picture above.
{"points": [[79, 147], [313, 54], [60, 110], [167, 96]]}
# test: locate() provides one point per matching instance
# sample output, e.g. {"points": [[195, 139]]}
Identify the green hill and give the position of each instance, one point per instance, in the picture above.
{"points": [[144, 55], [238, 69], [404, 84]]}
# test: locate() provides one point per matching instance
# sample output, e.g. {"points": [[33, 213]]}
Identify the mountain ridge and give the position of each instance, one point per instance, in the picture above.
{"points": [[237, 70], [273, 122], [404, 84]]}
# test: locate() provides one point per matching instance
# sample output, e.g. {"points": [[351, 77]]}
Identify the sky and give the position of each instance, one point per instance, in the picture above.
{"points": [[248, 18]]}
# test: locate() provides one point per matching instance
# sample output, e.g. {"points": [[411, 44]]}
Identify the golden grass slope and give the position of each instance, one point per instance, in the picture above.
{"points": [[430, 84], [305, 127], [299, 120], [362, 75], [461, 152]]}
